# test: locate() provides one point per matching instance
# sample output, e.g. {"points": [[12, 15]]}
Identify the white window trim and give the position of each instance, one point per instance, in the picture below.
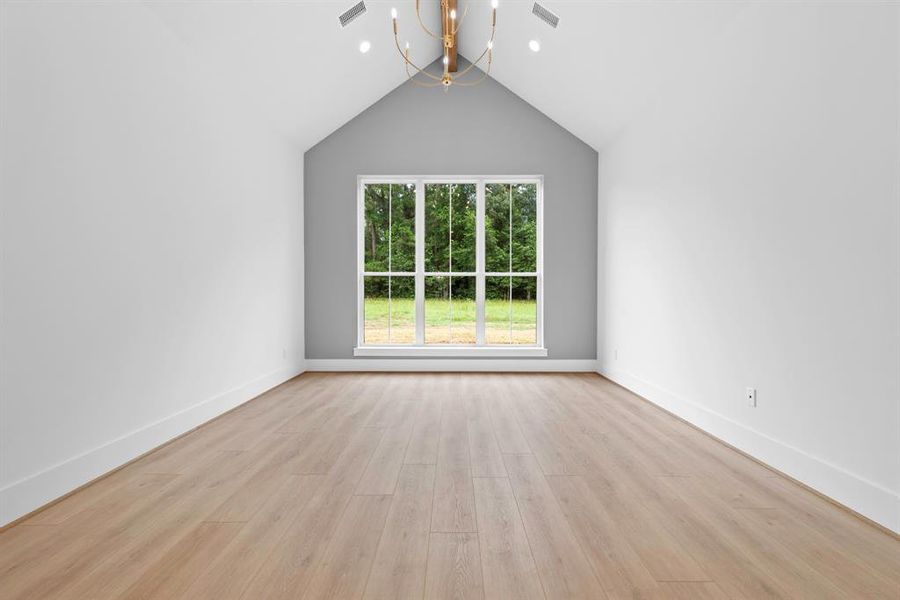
{"points": [[419, 348]]}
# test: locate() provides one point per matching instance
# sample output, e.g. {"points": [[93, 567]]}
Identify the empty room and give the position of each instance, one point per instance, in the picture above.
{"points": [[486, 299]]}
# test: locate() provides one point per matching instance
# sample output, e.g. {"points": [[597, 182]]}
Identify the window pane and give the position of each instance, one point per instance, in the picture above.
{"points": [[524, 228], [437, 227], [496, 227], [403, 227], [376, 231], [403, 310], [496, 310], [462, 252], [376, 315], [437, 310], [450, 318], [510, 310], [462, 310], [523, 310]]}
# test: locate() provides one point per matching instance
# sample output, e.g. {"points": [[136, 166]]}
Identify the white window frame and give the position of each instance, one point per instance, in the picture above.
{"points": [[419, 348]]}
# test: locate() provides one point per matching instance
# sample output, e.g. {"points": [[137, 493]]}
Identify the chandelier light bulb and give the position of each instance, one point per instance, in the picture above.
{"points": [[453, 14], [534, 45], [393, 13], [446, 60], [365, 46], [494, 3], [490, 44], [407, 45]]}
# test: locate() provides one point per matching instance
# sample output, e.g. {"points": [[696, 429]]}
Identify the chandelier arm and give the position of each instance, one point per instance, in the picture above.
{"points": [[422, 23], [409, 62], [423, 84], [412, 77], [459, 21], [486, 50], [471, 83], [484, 75]]}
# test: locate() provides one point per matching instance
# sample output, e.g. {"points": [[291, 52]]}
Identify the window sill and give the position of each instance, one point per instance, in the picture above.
{"points": [[451, 351]]}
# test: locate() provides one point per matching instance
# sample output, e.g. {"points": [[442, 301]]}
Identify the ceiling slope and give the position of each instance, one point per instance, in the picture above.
{"points": [[294, 62], [306, 76], [604, 61]]}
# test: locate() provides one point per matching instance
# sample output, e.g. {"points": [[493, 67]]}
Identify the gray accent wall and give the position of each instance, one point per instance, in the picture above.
{"points": [[481, 130]]}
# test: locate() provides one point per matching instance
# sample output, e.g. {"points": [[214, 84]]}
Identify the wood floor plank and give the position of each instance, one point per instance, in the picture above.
{"points": [[287, 571], [398, 570], [180, 508], [271, 466], [40, 560], [786, 568], [660, 551], [876, 547], [446, 485], [454, 567], [174, 572], [556, 454], [508, 567], [423, 445], [454, 500], [345, 565], [691, 590], [832, 561], [617, 566], [484, 451], [231, 573], [332, 438], [506, 428], [104, 490], [380, 476], [94, 542], [562, 565], [453, 445], [392, 408], [715, 554]]}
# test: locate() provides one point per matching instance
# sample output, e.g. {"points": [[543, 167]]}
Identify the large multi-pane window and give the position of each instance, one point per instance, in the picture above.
{"points": [[450, 263]]}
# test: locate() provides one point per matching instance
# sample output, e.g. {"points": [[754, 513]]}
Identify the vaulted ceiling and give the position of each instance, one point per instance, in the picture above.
{"points": [[306, 76]]}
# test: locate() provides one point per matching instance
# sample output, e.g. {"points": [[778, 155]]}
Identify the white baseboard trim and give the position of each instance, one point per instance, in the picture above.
{"points": [[865, 497], [30, 493], [451, 364]]}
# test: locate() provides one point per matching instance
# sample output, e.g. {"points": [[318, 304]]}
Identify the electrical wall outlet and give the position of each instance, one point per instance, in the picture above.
{"points": [[751, 397]]}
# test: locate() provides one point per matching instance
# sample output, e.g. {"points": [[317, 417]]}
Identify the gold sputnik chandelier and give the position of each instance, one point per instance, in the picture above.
{"points": [[450, 25]]}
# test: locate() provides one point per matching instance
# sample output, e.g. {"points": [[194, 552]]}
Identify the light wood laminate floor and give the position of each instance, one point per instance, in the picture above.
{"points": [[509, 486]]}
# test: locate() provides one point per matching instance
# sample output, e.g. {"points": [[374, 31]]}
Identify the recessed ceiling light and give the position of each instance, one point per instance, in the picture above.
{"points": [[365, 46], [534, 45]]}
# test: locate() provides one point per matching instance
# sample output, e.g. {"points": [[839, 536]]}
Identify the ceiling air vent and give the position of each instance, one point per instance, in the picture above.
{"points": [[350, 15], [545, 15]]}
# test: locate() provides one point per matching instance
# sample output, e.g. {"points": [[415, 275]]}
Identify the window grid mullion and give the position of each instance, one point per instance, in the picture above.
{"points": [[479, 265], [420, 263], [509, 279], [450, 261], [390, 261]]}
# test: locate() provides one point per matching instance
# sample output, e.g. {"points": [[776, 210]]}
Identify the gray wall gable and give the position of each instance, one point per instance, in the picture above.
{"points": [[480, 130]]}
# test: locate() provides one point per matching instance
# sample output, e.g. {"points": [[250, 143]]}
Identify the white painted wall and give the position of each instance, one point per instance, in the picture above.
{"points": [[752, 229], [151, 245]]}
